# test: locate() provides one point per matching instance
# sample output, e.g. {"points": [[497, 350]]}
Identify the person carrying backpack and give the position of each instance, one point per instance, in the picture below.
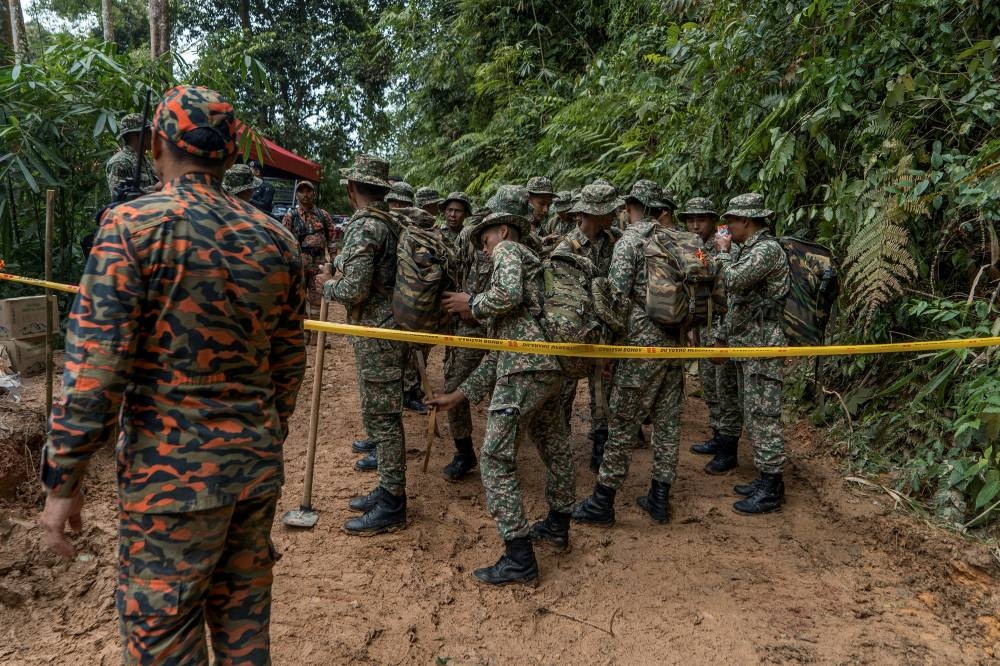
{"points": [[718, 380], [525, 389], [757, 281], [641, 387]]}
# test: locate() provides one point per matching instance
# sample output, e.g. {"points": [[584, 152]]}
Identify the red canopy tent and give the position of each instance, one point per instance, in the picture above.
{"points": [[281, 159]]}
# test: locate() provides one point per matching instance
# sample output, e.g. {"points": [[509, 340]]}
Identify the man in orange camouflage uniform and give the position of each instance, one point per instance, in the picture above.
{"points": [[317, 234], [188, 323]]}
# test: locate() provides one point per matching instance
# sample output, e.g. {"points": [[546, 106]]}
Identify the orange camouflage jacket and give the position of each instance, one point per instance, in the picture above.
{"points": [[188, 329]]}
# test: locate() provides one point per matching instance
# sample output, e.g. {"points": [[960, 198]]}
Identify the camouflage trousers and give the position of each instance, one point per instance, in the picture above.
{"points": [[525, 402], [643, 388], [760, 383], [458, 365], [181, 571], [598, 420], [722, 396], [411, 375], [380, 383]]}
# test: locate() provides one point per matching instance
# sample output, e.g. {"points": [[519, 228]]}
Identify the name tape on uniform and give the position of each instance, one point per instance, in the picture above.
{"points": [[601, 351]]}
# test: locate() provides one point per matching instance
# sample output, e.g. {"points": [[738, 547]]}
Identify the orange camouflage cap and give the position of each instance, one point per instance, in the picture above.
{"points": [[187, 108]]}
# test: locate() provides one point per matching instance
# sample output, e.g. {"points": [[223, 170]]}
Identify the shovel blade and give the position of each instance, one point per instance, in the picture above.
{"points": [[304, 518]]}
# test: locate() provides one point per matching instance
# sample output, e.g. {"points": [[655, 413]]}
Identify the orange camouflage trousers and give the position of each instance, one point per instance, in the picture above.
{"points": [[180, 572]]}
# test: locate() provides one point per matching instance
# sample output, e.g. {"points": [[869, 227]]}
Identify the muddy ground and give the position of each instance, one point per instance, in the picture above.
{"points": [[839, 576]]}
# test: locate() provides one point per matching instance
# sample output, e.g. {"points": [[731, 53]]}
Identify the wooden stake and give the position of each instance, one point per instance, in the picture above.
{"points": [[432, 428], [317, 390], [50, 202]]}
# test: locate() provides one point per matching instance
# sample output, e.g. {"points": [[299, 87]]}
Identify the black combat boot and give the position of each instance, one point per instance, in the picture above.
{"points": [[463, 462], [709, 447], [554, 530], [388, 515], [516, 565], [363, 446], [768, 497], [725, 456], [600, 438], [365, 503], [656, 503], [599, 508], [367, 464], [413, 401], [747, 489]]}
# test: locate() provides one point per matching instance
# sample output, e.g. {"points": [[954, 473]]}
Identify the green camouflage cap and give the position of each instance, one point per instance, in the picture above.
{"points": [[647, 193], [598, 198], [460, 197], [563, 201], [667, 200], [750, 204], [508, 206], [698, 206], [240, 178], [426, 196], [400, 191], [369, 170], [188, 108], [131, 124], [540, 185]]}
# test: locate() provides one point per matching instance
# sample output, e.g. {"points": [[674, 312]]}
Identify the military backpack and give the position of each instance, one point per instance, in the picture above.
{"points": [[425, 268], [683, 287], [568, 313], [814, 287]]}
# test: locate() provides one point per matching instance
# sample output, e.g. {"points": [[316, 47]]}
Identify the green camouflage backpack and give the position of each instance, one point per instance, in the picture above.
{"points": [[683, 288], [425, 268], [813, 291], [568, 312]]}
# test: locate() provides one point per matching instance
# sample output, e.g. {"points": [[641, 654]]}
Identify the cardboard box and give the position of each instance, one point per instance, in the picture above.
{"points": [[24, 317], [27, 354]]}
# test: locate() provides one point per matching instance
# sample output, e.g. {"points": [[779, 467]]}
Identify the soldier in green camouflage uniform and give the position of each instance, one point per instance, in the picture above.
{"points": [[640, 387], [429, 199], [562, 221], [459, 363], [400, 195], [594, 238], [200, 369], [540, 196], [757, 281], [367, 273], [121, 165], [240, 182], [718, 379], [457, 207], [525, 391]]}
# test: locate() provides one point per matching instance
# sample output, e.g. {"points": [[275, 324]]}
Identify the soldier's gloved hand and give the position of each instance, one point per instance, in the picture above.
{"points": [[57, 513], [446, 401]]}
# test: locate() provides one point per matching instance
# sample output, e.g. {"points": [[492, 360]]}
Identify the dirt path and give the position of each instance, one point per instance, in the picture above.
{"points": [[837, 577]]}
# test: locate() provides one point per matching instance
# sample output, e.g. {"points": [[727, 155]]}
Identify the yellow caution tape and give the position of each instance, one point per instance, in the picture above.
{"points": [[602, 351]]}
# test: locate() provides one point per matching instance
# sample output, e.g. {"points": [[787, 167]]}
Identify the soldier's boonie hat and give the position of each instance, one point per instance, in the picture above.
{"points": [[369, 170], [305, 183], [418, 217], [698, 206], [667, 200], [400, 191], [426, 196], [597, 199], [540, 185], [563, 201], [188, 108], [647, 193], [750, 204], [239, 178], [508, 206], [460, 197], [131, 124]]}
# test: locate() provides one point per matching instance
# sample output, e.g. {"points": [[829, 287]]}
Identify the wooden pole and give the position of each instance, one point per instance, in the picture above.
{"points": [[317, 389], [50, 203]]}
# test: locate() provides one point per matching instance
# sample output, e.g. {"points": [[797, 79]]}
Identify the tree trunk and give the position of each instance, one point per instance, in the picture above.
{"points": [[159, 28], [19, 37], [245, 17], [6, 36], [107, 21]]}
